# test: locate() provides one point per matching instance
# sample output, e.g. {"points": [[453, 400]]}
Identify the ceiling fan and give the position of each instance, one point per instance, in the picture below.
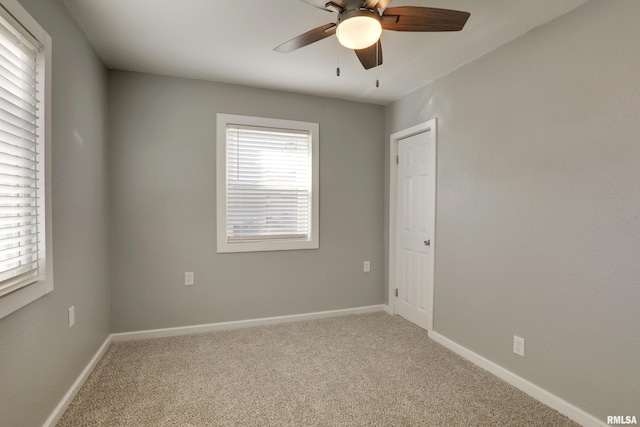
{"points": [[360, 24]]}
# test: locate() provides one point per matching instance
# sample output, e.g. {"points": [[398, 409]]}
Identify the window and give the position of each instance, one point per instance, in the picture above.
{"points": [[267, 189], [25, 215]]}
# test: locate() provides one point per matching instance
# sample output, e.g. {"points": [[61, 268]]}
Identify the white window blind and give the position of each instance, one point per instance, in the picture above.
{"points": [[21, 196], [268, 183]]}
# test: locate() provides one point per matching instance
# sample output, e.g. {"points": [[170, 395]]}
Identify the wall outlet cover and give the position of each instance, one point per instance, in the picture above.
{"points": [[189, 279], [72, 316], [518, 345]]}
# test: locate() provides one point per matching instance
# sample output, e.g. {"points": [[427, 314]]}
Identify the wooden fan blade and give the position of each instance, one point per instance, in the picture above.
{"points": [[376, 4], [414, 18], [307, 38], [368, 56], [321, 4]]}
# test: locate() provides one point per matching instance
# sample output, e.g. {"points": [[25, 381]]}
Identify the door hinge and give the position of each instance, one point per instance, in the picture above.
{"points": [[397, 160], [396, 292]]}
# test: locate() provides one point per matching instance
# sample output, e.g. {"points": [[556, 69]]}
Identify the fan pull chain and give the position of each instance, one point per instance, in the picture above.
{"points": [[338, 54], [377, 63]]}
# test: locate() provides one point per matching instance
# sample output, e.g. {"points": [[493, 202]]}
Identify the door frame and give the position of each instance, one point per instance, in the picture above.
{"points": [[428, 126]]}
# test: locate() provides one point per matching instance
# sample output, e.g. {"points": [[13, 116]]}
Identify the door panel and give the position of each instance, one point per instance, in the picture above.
{"points": [[406, 293], [407, 191], [415, 228]]}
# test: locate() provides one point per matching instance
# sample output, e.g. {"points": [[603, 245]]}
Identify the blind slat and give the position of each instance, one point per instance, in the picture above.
{"points": [[18, 121], [20, 240], [17, 101], [12, 191], [17, 166], [6, 232]]}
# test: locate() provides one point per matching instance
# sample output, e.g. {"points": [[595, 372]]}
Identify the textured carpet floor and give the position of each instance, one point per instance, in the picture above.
{"points": [[372, 369]]}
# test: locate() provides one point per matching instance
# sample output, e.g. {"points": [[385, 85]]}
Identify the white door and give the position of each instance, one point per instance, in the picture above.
{"points": [[415, 226]]}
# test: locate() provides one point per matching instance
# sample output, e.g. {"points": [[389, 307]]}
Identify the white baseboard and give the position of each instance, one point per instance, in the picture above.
{"points": [[196, 329], [76, 386], [537, 392]]}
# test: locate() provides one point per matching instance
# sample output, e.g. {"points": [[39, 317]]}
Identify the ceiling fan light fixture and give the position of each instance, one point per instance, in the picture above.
{"points": [[359, 29]]}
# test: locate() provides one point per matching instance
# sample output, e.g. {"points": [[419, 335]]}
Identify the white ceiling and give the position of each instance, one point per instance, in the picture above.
{"points": [[232, 41]]}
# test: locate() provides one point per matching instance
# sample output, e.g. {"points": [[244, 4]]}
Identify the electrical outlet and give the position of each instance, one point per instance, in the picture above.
{"points": [[518, 345], [72, 316], [188, 279], [367, 266]]}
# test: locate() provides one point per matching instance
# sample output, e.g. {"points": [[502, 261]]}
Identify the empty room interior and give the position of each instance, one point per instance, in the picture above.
{"points": [[239, 221]]}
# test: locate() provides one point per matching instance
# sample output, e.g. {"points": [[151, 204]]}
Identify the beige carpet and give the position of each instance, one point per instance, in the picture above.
{"points": [[361, 370]]}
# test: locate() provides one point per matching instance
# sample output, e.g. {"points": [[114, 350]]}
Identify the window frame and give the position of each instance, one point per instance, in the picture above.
{"points": [[19, 298], [223, 246]]}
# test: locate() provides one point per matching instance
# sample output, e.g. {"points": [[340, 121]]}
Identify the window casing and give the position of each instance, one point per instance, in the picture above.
{"points": [[25, 214], [267, 184]]}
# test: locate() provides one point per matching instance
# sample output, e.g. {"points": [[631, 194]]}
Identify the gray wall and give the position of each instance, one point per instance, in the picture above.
{"points": [[163, 210], [40, 357], [538, 208]]}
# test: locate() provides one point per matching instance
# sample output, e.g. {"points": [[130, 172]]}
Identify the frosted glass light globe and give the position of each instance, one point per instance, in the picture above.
{"points": [[359, 32]]}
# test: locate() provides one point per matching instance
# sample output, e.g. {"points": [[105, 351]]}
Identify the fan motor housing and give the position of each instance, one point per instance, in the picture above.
{"points": [[361, 11]]}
